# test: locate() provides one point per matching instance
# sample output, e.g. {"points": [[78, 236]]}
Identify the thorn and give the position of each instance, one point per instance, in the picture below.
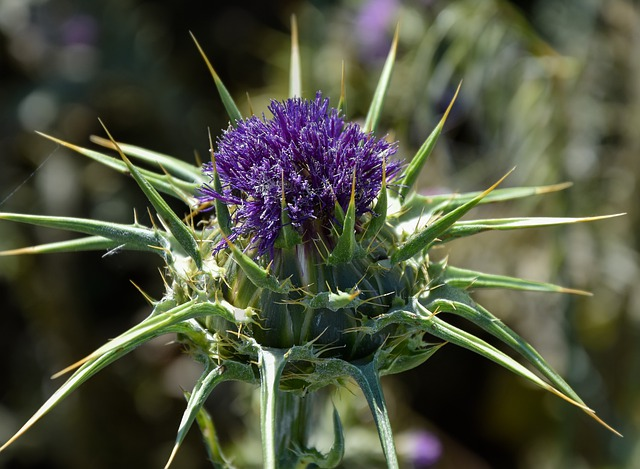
{"points": [[250, 104], [196, 157], [213, 157], [150, 300], [453, 100], [295, 73], [174, 451], [204, 56], [342, 102]]}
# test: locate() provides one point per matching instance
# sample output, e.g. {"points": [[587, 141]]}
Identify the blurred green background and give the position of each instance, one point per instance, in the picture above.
{"points": [[550, 87]]}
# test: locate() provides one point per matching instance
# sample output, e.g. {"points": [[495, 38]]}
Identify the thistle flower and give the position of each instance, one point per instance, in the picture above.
{"points": [[307, 271], [301, 162]]}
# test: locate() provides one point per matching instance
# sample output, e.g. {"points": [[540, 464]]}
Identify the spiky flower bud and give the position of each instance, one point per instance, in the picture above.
{"points": [[311, 267], [297, 184]]}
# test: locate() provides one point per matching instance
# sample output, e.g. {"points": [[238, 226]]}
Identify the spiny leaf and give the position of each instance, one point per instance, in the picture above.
{"points": [[333, 301], [167, 184], [179, 168], [260, 277], [295, 73], [178, 229], [347, 247], [89, 243], [421, 157], [288, 236], [130, 236], [313, 458], [210, 378], [468, 228], [417, 205], [153, 326], [222, 211], [470, 279], [425, 237], [210, 439], [452, 334], [379, 217], [417, 315], [78, 378], [375, 109], [229, 104], [402, 358], [448, 299], [337, 449], [159, 323]]}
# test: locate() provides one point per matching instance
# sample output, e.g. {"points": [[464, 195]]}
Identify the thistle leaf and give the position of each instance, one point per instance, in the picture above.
{"points": [[456, 336], [469, 279], [260, 277], [178, 229], [210, 439], [210, 378], [375, 109], [159, 323], [366, 375], [421, 157], [469, 228], [222, 211], [78, 378], [313, 458], [154, 326], [428, 235], [447, 299], [380, 210], [337, 449], [227, 100], [403, 357], [89, 243], [173, 166], [288, 236], [333, 301], [418, 315], [295, 73], [425, 206], [347, 247], [129, 236], [165, 183], [271, 363]]}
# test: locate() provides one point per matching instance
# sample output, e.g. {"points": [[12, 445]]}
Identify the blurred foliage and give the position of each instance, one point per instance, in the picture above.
{"points": [[550, 87]]}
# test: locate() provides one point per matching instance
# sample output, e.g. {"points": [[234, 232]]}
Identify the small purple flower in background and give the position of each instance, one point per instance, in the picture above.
{"points": [[306, 153], [372, 27], [421, 448]]}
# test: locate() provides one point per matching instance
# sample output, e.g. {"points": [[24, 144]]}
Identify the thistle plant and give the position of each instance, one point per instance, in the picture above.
{"points": [[304, 262]]}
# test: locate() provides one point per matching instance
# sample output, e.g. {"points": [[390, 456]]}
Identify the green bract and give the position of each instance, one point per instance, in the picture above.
{"points": [[363, 300]]}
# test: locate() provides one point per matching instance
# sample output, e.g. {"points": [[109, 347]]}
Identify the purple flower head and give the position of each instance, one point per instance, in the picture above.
{"points": [[307, 152]]}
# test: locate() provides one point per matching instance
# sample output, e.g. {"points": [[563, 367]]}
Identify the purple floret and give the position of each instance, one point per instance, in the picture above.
{"points": [[307, 148]]}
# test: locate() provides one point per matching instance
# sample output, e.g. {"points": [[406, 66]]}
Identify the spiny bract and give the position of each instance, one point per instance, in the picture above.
{"points": [[310, 267]]}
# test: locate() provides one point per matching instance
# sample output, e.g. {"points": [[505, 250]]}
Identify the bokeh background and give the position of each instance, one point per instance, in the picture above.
{"points": [[550, 87]]}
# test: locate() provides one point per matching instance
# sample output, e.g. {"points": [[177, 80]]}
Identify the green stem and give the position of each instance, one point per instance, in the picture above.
{"points": [[271, 363], [286, 419], [367, 376]]}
